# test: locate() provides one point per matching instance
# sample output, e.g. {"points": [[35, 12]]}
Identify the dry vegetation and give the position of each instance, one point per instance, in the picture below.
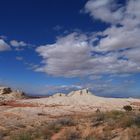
{"points": [[113, 125], [74, 117]]}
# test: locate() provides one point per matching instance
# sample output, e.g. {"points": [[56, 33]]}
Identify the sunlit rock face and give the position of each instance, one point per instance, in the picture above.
{"points": [[83, 92], [7, 93]]}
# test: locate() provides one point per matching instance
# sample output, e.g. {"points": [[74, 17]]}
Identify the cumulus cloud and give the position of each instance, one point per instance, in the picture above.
{"points": [[112, 51], [133, 55], [104, 10], [72, 56], [64, 57], [4, 46], [126, 35]]}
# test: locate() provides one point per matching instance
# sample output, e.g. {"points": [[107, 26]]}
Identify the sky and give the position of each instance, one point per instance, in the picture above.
{"points": [[49, 46]]}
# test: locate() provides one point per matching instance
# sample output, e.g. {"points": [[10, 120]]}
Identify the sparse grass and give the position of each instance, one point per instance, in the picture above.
{"points": [[115, 115], [98, 126], [54, 126], [23, 136], [66, 122], [71, 134], [90, 137]]}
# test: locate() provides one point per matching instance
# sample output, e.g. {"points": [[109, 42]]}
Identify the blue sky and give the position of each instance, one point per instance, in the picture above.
{"points": [[49, 46]]}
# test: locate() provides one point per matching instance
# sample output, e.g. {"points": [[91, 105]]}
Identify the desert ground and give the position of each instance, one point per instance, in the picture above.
{"points": [[79, 115]]}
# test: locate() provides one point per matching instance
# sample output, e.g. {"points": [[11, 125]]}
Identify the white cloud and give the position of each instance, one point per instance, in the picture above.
{"points": [[119, 38], [75, 55], [16, 43], [4, 46], [72, 56], [64, 57], [125, 36], [104, 10], [133, 55], [20, 45]]}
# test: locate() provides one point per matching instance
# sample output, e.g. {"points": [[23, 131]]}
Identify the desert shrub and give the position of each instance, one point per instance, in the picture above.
{"points": [[90, 137], [115, 119], [127, 108], [71, 134], [66, 122], [41, 114], [99, 117], [54, 126], [114, 115], [137, 121], [23, 136], [98, 110], [134, 133], [48, 130], [127, 121]]}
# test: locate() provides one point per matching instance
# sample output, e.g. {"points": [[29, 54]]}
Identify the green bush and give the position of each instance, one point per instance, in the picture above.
{"points": [[127, 108]]}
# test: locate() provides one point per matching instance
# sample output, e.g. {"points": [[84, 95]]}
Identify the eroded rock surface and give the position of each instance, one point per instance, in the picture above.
{"points": [[7, 93]]}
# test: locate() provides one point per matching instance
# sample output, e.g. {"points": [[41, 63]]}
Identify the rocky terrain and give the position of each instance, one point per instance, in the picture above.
{"points": [[80, 101], [75, 111], [7, 94]]}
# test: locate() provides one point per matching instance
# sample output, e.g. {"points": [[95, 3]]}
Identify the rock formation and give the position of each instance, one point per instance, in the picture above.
{"points": [[82, 92], [7, 93], [5, 90]]}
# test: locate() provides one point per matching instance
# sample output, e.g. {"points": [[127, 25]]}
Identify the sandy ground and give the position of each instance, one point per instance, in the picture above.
{"points": [[64, 105], [32, 112]]}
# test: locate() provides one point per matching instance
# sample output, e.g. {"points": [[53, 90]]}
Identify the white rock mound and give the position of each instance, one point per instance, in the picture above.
{"points": [[7, 93], [83, 92], [58, 95], [81, 100]]}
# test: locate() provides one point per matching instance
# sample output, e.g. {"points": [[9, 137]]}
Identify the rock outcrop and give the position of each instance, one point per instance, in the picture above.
{"points": [[82, 92], [5, 90], [7, 93]]}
